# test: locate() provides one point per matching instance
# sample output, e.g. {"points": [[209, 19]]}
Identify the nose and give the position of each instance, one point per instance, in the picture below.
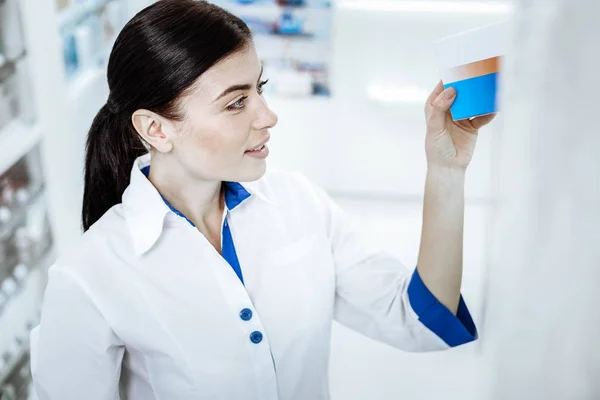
{"points": [[265, 117]]}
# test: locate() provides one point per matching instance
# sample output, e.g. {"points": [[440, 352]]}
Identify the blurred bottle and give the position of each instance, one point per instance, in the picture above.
{"points": [[8, 392], [3, 301], [9, 287], [296, 3], [62, 4], [7, 192], [25, 246], [12, 92], [7, 103], [289, 24], [12, 45], [5, 216], [23, 91], [84, 44], [70, 53]]}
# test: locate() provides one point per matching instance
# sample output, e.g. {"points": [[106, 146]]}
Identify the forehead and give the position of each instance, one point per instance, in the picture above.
{"points": [[239, 68]]}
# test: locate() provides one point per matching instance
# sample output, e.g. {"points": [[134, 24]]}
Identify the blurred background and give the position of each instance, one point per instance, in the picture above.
{"points": [[348, 80]]}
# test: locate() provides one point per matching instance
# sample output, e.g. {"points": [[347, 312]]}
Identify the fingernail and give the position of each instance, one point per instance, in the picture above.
{"points": [[449, 93]]}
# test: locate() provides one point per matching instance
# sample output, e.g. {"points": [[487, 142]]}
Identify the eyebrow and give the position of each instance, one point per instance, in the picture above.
{"points": [[236, 88]]}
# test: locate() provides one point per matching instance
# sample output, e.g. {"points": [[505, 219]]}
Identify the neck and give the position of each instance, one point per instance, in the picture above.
{"points": [[200, 201]]}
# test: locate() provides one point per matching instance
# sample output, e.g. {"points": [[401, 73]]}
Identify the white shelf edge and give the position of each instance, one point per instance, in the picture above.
{"points": [[75, 12], [16, 140], [80, 83], [267, 10]]}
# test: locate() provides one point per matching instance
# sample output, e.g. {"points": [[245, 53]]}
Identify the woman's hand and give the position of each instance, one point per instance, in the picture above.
{"points": [[449, 143]]}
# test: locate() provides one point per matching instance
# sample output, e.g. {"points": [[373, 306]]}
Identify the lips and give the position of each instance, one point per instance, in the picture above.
{"points": [[257, 148], [260, 146]]}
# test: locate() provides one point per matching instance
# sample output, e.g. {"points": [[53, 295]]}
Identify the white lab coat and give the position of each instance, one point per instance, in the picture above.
{"points": [[144, 308]]}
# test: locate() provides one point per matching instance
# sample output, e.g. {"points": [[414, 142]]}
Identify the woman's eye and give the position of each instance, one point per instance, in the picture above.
{"points": [[241, 103], [238, 105], [261, 86]]}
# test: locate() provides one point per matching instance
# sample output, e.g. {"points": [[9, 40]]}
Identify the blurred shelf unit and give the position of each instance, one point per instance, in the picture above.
{"points": [[16, 140], [26, 251], [270, 7], [16, 101], [285, 18], [293, 40], [15, 383], [15, 370], [88, 29], [8, 67], [26, 240]]}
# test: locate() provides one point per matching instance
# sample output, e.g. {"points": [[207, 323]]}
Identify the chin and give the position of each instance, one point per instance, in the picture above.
{"points": [[252, 173]]}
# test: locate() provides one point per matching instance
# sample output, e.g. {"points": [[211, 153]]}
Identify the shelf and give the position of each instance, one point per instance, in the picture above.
{"points": [[301, 35], [43, 263], [8, 67], [14, 362], [265, 9], [16, 140], [78, 12], [18, 214]]}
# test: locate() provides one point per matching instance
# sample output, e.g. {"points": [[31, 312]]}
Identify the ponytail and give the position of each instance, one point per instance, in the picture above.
{"points": [[112, 147]]}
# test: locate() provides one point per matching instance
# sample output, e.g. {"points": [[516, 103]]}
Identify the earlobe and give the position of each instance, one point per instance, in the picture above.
{"points": [[149, 126]]}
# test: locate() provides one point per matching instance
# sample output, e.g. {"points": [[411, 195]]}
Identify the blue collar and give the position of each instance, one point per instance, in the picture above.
{"points": [[234, 193]]}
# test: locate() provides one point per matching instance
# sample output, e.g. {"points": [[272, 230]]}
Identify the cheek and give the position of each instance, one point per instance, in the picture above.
{"points": [[225, 137], [210, 142]]}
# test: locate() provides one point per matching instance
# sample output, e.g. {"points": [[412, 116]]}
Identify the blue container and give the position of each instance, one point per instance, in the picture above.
{"points": [[474, 96]]}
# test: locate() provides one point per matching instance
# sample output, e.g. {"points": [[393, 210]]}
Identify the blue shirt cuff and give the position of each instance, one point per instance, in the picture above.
{"points": [[454, 330]]}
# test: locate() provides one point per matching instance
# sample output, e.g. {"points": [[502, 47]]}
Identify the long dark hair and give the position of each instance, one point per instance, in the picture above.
{"points": [[156, 57]]}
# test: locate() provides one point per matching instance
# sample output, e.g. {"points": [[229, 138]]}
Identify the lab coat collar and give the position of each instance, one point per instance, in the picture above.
{"points": [[255, 189], [145, 208]]}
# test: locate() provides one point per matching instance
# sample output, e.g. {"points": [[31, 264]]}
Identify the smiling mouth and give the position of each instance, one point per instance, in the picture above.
{"points": [[259, 148]]}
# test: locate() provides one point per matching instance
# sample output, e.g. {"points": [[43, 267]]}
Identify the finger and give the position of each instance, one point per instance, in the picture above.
{"points": [[465, 124], [478, 122], [444, 100], [439, 88], [436, 119]]}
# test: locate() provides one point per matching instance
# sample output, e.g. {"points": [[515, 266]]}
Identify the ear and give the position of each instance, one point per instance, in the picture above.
{"points": [[153, 129]]}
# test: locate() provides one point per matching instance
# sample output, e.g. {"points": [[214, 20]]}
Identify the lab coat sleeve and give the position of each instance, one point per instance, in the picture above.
{"points": [[74, 353], [379, 297]]}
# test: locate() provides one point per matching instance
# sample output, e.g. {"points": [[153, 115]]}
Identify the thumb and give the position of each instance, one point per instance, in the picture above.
{"points": [[441, 105]]}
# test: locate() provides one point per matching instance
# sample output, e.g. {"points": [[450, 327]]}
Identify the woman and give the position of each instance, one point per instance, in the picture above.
{"points": [[190, 285]]}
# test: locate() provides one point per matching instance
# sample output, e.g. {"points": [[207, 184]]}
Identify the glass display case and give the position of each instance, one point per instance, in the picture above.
{"points": [[25, 248], [15, 91], [26, 241]]}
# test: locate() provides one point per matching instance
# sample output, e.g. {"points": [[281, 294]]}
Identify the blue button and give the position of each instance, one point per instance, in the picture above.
{"points": [[246, 314], [256, 337]]}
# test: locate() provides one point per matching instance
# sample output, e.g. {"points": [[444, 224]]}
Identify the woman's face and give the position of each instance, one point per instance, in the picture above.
{"points": [[226, 122]]}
